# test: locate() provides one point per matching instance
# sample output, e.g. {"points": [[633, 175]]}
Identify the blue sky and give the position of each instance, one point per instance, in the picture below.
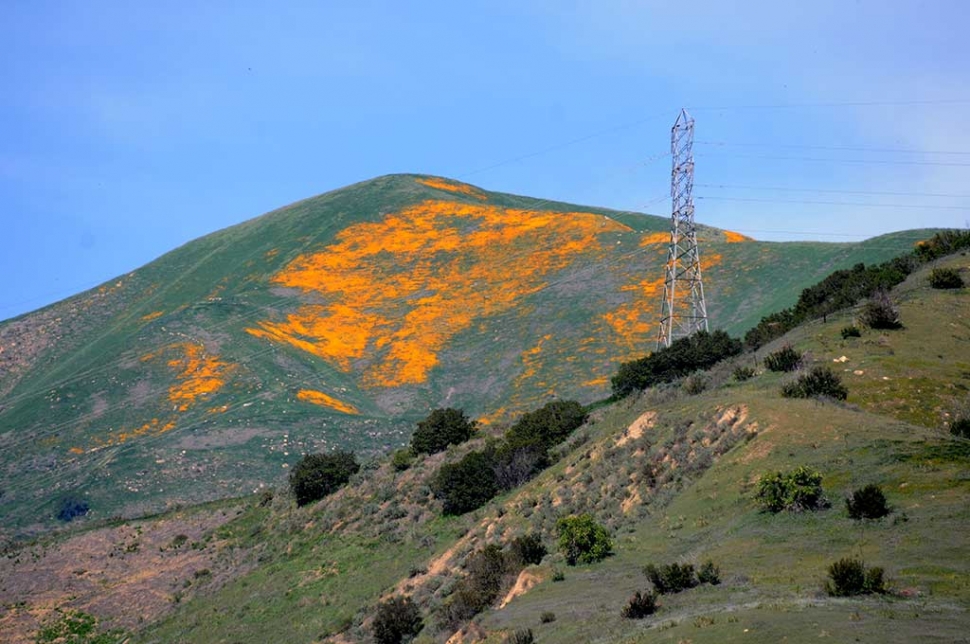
{"points": [[127, 129]]}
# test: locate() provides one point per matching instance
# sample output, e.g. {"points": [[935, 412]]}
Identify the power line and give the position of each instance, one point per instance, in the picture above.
{"points": [[831, 147], [945, 101], [832, 160], [846, 192], [837, 203]]}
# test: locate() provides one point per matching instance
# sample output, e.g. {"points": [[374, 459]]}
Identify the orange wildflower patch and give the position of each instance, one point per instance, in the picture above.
{"points": [[320, 398], [152, 316], [655, 238], [733, 238], [453, 186], [396, 291], [76, 450], [198, 375]]}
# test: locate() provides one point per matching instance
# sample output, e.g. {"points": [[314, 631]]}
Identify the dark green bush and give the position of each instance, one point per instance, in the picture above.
{"points": [[581, 539], [402, 459], [397, 620], [317, 475], [867, 503], [695, 384], [549, 425], [785, 359], [851, 577], [671, 578], [820, 382], [527, 550], [523, 636], [709, 574], [547, 617], [796, 491], [466, 485], [880, 312], [640, 605], [558, 575], [71, 507], [744, 373], [684, 356], [945, 278], [851, 331], [961, 427], [442, 427], [843, 289], [488, 570]]}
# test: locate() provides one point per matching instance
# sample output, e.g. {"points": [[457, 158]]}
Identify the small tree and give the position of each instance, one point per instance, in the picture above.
{"points": [[945, 278], [581, 539], [402, 459], [527, 549], [317, 475], [72, 507], [671, 578], [466, 485], [442, 427], [796, 491], [880, 312], [785, 359], [851, 577], [867, 503], [398, 620], [640, 605], [820, 382], [961, 427]]}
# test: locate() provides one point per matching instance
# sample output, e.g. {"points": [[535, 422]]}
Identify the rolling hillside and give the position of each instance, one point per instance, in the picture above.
{"points": [[339, 321], [672, 475]]}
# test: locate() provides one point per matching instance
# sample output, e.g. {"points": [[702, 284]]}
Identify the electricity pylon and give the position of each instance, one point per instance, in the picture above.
{"points": [[683, 311]]}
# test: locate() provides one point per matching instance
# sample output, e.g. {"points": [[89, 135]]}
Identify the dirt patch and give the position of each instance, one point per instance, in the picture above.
{"points": [[526, 581], [469, 634], [122, 575], [637, 427]]}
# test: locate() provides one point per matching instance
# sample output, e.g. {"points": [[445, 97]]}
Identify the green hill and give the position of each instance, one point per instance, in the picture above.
{"points": [[671, 475], [339, 321]]}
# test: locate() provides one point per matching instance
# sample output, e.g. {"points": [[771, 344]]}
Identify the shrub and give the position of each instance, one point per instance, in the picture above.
{"points": [[75, 627], [487, 571], [744, 373], [547, 617], [671, 578], [548, 425], [442, 427], [961, 427], [402, 459], [558, 575], [796, 491], [709, 574], [640, 605], [785, 359], [820, 382], [880, 312], [523, 636], [317, 475], [684, 356], [397, 620], [851, 331], [581, 539], [466, 485], [527, 550], [851, 577], [867, 503], [945, 278], [694, 384], [72, 507]]}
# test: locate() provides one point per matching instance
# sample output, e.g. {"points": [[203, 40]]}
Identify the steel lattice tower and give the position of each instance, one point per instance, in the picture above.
{"points": [[683, 311]]}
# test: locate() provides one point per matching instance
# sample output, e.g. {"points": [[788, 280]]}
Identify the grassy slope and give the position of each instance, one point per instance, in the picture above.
{"points": [[90, 411], [312, 581]]}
